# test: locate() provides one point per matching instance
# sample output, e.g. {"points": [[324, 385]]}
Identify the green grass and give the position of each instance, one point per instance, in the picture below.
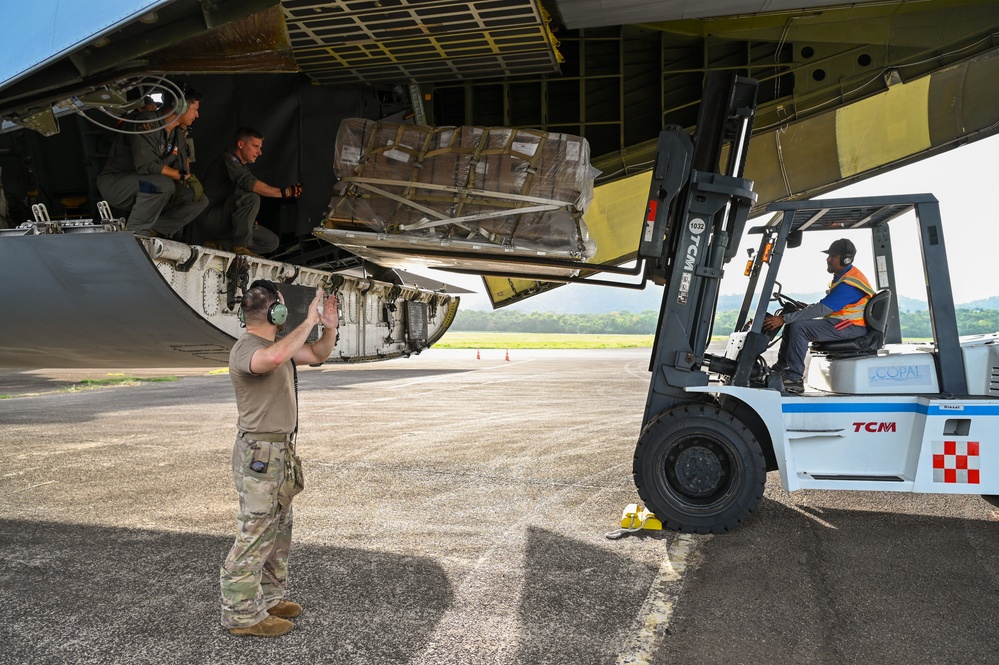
{"points": [[117, 381], [89, 384], [499, 340]]}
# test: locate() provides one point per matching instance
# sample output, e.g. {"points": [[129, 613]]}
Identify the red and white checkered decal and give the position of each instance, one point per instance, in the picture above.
{"points": [[956, 462]]}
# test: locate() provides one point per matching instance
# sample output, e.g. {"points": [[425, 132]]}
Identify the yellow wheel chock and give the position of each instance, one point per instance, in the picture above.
{"points": [[639, 517], [635, 518]]}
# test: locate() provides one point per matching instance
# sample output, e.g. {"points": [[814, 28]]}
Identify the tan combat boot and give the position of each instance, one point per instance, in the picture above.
{"points": [[285, 609], [270, 627]]}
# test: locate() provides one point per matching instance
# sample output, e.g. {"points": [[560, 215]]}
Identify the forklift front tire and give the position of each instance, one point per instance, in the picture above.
{"points": [[699, 469]]}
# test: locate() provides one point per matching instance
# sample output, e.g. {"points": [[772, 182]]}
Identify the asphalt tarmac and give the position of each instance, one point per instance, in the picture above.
{"points": [[455, 512]]}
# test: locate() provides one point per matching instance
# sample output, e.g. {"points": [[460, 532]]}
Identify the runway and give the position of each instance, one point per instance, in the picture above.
{"points": [[455, 512]]}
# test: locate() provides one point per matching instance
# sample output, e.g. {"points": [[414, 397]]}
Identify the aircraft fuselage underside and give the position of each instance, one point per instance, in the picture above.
{"points": [[85, 294]]}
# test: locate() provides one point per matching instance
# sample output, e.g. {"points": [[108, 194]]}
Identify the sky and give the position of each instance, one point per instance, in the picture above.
{"points": [[965, 181]]}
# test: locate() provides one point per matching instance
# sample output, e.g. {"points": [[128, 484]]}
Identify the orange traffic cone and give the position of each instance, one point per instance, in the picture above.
{"points": [[508, 354], [477, 355]]}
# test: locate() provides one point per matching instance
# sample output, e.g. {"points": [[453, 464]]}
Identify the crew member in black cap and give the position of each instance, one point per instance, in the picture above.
{"points": [[840, 315]]}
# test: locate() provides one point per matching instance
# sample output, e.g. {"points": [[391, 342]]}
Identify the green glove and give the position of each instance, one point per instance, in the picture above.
{"points": [[196, 186]]}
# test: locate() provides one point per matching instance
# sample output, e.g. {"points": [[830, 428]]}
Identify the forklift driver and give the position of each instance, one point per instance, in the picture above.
{"points": [[840, 315]]}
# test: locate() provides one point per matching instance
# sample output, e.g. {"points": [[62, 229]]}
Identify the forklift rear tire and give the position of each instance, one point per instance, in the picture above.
{"points": [[992, 498], [699, 469]]}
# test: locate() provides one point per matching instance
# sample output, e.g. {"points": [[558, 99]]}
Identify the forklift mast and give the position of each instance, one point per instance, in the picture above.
{"points": [[695, 217]]}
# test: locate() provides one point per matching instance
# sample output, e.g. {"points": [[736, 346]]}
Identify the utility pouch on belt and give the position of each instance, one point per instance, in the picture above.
{"points": [[299, 475], [261, 456], [294, 479]]}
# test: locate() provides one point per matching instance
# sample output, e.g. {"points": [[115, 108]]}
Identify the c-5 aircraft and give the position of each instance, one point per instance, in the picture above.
{"points": [[846, 91]]}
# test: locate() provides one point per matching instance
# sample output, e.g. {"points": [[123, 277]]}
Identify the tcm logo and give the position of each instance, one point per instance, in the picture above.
{"points": [[874, 427]]}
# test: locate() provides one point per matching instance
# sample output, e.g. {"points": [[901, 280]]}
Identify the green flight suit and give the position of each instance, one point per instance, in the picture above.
{"points": [[132, 180], [232, 215]]}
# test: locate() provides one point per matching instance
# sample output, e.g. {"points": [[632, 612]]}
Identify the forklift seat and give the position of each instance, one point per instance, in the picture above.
{"points": [[876, 320]]}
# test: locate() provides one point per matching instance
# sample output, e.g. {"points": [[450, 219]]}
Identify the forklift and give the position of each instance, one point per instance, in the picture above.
{"points": [[876, 414]]}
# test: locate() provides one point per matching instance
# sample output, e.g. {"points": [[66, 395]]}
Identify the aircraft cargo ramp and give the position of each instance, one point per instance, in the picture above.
{"points": [[90, 295]]}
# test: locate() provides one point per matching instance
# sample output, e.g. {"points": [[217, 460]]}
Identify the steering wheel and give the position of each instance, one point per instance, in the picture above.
{"points": [[787, 304]]}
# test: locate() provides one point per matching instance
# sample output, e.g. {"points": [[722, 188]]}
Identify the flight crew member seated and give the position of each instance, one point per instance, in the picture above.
{"points": [[840, 315], [231, 221], [148, 174]]}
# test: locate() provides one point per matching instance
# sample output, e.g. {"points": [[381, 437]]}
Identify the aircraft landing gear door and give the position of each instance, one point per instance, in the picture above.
{"points": [[699, 469]]}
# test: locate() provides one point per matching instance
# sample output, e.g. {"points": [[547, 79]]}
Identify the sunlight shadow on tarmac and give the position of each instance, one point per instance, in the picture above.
{"points": [[84, 594], [68, 408], [45, 409], [340, 377], [19, 382], [852, 586], [578, 599]]}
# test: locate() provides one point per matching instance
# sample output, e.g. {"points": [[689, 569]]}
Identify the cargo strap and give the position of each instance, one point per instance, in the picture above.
{"points": [[545, 205]]}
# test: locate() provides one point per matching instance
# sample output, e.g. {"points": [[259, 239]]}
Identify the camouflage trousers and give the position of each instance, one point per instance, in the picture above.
{"points": [[254, 576]]}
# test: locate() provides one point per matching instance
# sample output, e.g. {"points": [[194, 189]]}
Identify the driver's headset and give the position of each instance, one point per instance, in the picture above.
{"points": [[277, 313], [846, 259]]}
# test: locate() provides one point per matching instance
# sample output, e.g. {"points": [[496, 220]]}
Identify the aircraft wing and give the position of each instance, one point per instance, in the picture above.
{"points": [[847, 90]]}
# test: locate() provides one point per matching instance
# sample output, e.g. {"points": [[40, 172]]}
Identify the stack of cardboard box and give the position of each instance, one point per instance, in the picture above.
{"points": [[385, 166]]}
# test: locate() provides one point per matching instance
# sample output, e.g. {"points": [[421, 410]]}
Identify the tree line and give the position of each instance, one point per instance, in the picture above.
{"points": [[913, 324]]}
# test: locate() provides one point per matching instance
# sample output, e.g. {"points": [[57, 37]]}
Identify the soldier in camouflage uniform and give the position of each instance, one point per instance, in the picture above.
{"points": [[148, 173], [266, 470]]}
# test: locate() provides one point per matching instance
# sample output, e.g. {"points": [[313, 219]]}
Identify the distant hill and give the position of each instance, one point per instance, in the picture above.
{"points": [[585, 299], [582, 299], [987, 303]]}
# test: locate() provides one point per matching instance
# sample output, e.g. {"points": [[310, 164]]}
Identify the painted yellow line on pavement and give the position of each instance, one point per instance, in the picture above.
{"points": [[657, 610]]}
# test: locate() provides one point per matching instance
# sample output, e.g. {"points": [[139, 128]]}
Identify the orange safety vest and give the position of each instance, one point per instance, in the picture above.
{"points": [[852, 314]]}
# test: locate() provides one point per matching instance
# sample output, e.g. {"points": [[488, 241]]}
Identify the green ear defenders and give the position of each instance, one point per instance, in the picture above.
{"points": [[277, 313]]}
